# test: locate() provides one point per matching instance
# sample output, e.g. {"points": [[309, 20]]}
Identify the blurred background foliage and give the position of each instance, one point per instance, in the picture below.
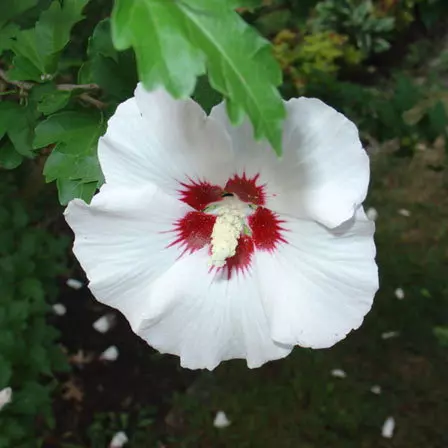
{"points": [[31, 258], [383, 63]]}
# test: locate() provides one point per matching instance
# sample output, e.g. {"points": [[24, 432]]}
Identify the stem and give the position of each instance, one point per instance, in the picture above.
{"points": [[70, 87], [25, 86], [8, 92], [93, 101], [22, 84]]}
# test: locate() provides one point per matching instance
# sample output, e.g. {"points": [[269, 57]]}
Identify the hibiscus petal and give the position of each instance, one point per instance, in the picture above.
{"points": [[320, 285], [250, 157], [333, 168], [324, 171], [154, 138], [121, 241], [205, 318]]}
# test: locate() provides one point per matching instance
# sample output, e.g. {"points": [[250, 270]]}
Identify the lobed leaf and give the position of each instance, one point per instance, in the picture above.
{"points": [[113, 71], [37, 50], [18, 123], [73, 162], [176, 41]]}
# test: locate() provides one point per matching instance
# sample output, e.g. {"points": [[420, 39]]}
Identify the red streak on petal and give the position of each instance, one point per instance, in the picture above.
{"points": [[266, 229], [240, 262], [200, 194], [194, 231], [246, 189]]}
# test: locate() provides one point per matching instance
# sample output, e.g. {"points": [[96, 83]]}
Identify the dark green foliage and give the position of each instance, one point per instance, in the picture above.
{"points": [[381, 112], [358, 20], [30, 260]]}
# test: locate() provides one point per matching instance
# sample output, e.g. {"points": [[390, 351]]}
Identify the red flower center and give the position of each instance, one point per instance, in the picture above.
{"points": [[194, 230]]}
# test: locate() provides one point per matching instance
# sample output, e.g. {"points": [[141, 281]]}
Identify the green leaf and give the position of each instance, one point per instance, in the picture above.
{"points": [[154, 29], [58, 359], [207, 33], [21, 132], [31, 397], [24, 70], [114, 72], [72, 167], [74, 132], [37, 49], [48, 99], [13, 8], [18, 311], [19, 217], [7, 33], [18, 122], [55, 24], [5, 372], [101, 41], [73, 163], [381, 45], [441, 333], [31, 288], [438, 120], [8, 112], [53, 101], [39, 358], [28, 61], [9, 157], [70, 189], [383, 25], [241, 66]]}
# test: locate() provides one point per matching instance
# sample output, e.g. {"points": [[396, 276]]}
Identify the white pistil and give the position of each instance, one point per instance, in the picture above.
{"points": [[229, 224]]}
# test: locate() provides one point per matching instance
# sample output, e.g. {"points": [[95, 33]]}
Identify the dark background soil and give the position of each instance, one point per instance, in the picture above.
{"points": [[139, 379]]}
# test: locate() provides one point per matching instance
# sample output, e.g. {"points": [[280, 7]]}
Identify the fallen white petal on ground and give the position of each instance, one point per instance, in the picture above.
{"points": [[119, 440], [221, 420], [404, 212], [104, 323], [74, 284], [399, 293], [338, 373], [110, 354], [372, 214], [389, 334], [387, 430], [59, 309], [375, 389], [5, 397]]}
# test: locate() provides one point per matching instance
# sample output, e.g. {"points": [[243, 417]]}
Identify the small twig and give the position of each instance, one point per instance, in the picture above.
{"points": [[8, 92], [70, 87], [93, 101], [23, 85], [29, 85]]}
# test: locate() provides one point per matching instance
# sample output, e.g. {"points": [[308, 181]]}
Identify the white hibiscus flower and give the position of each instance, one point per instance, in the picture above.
{"points": [[212, 247]]}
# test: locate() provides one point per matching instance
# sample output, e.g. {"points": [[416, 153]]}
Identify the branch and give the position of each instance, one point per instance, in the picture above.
{"points": [[93, 101], [70, 87], [24, 85]]}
